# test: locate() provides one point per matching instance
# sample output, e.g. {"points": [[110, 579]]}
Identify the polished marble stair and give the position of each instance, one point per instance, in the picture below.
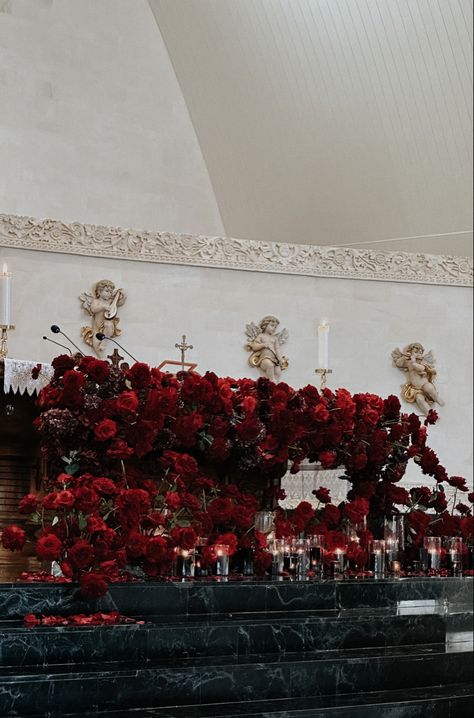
{"points": [[273, 650]]}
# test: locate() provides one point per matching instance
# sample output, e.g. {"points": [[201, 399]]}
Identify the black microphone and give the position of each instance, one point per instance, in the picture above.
{"points": [[56, 330], [58, 344], [101, 337]]}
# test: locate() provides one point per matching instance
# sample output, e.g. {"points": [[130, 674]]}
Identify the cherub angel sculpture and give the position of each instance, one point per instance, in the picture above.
{"points": [[102, 306], [265, 347], [419, 388]]}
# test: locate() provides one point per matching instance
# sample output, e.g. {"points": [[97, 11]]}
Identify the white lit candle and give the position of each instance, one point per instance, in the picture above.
{"points": [[323, 344], [5, 297]]}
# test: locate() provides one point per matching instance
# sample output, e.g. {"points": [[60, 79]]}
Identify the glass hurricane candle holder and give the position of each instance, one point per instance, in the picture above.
{"points": [[300, 558], [287, 556], [432, 553], [265, 521], [395, 568], [338, 565], [316, 544], [199, 569], [454, 555], [185, 563], [221, 566], [277, 547], [377, 558], [394, 530]]}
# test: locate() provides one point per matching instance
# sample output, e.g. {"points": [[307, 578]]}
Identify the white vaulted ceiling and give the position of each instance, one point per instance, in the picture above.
{"points": [[341, 122]]}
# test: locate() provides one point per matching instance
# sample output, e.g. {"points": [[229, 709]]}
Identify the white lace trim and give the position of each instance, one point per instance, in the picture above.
{"points": [[17, 376]]}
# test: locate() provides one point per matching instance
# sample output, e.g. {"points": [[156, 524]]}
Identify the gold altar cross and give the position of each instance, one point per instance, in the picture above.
{"points": [[183, 347]]}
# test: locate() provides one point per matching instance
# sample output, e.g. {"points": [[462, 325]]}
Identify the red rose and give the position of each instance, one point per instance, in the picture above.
{"points": [[173, 500], [323, 495], [49, 547], [356, 510], [371, 416], [64, 500], [95, 369], [49, 501], [93, 585], [105, 429], [119, 449], [220, 510], [462, 508], [87, 500], [320, 413], [13, 538], [359, 461], [249, 404], [470, 497], [62, 363], [136, 544], [459, 483], [137, 500], [28, 504], [81, 554], [421, 495], [397, 494], [391, 407], [243, 516], [105, 487], [327, 459], [157, 549], [127, 402], [95, 524], [331, 514], [429, 461], [185, 538], [139, 375], [304, 511]]}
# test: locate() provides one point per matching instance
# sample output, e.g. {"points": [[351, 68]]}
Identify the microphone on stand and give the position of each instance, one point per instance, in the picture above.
{"points": [[101, 337], [58, 344], [56, 330]]}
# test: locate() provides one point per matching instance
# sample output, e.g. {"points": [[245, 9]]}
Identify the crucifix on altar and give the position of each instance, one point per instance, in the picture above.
{"points": [[183, 348]]}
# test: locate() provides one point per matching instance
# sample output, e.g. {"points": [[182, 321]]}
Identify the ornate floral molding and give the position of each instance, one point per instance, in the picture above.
{"points": [[50, 235]]}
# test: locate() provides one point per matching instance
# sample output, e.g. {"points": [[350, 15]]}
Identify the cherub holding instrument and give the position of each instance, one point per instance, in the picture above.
{"points": [[419, 388], [102, 306]]}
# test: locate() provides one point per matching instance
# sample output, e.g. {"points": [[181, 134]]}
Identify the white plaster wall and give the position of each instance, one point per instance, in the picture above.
{"points": [[211, 306], [93, 125]]}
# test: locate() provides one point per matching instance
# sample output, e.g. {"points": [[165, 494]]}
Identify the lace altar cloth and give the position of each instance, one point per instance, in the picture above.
{"points": [[17, 376], [299, 487]]}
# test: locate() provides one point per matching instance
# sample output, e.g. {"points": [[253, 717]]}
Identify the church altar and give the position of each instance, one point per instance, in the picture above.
{"points": [[151, 475]]}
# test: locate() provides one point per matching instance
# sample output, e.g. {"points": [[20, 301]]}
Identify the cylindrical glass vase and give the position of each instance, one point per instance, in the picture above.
{"points": [[454, 555], [221, 566], [316, 555], [185, 564], [377, 558], [432, 553]]}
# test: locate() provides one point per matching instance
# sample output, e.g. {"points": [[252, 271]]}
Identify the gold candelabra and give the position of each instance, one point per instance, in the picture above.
{"points": [[4, 339], [323, 376]]}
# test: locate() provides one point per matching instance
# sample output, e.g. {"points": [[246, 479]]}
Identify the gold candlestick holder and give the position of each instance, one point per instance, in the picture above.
{"points": [[5, 328], [323, 376]]}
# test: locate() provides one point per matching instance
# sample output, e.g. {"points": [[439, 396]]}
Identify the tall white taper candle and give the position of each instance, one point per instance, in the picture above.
{"points": [[5, 297], [323, 344]]}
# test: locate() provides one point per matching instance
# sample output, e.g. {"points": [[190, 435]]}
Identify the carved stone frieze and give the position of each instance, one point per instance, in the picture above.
{"points": [[164, 247]]}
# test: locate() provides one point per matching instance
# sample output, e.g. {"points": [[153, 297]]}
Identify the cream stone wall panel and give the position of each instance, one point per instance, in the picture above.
{"points": [[93, 124]]}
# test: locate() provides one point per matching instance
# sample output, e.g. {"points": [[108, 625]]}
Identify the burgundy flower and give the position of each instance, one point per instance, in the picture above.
{"points": [[28, 504], [105, 429], [331, 514], [95, 369], [139, 375], [81, 554], [49, 547], [220, 510], [87, 500], [127, 402], [64, 500], [322, 494], [13, 538], [356, 510], [459, 483], [185, 538]]}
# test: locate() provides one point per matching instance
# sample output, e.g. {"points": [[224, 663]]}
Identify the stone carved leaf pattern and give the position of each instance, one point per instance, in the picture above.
{"points": [[164, 247]]}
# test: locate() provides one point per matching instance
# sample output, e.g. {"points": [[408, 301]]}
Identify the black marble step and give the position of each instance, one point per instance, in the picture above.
{"points": [[453, 701], [202, 680], [233, 634], [174, 598]]}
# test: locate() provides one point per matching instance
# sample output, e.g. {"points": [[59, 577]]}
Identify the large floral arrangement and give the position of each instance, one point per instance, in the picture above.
{"points": [[142, 462]]}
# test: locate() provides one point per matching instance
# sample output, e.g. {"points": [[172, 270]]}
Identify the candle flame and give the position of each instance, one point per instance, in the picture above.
{"points": [[5, 268], [324, 323]]}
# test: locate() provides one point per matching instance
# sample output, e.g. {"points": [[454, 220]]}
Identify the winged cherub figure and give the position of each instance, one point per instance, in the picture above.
{"points": [[265, 347], [102, 306], [419, 388]]}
